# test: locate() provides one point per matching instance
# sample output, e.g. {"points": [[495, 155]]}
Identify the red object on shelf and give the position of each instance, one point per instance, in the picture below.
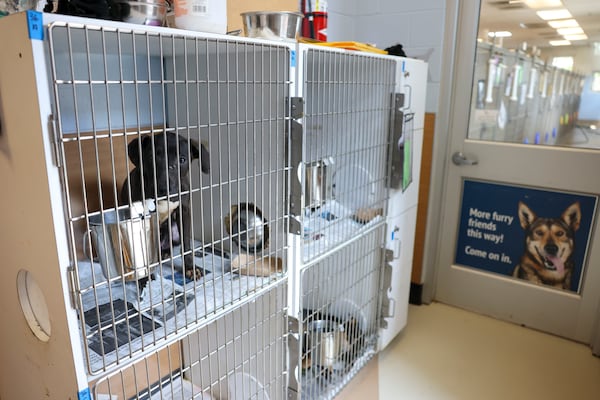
{"points": [[319, 25]]}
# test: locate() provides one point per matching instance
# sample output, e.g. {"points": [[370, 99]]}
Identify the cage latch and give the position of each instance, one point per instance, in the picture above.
{"points": [[396, 154], [387, 303]]}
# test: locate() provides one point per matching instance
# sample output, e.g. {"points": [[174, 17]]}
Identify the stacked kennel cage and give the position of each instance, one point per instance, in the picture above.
{"points": [[356, 157], [121, 317], [115, 320]]}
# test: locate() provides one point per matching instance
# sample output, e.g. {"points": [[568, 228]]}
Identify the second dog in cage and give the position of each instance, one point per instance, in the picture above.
{"points": [[162, 165]]}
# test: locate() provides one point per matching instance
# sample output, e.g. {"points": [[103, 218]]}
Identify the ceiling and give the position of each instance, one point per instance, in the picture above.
{"points": [[525, 25]]}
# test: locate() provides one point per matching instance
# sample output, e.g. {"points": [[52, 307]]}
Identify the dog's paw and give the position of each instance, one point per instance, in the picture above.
{"points": [[193, 273]]}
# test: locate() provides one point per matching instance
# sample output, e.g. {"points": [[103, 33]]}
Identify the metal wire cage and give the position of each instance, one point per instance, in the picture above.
{"points": [[341, 303], [347, 111], [240, 356], [173, 152]]}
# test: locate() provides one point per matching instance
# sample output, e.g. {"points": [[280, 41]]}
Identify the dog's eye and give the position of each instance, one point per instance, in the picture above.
{"points": [[560, 233], [182, 160], [539, 232]]}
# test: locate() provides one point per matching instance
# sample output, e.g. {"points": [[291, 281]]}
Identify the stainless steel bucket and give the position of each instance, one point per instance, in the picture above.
{"points": [[126, 242], [326, 341], [317, 182]]}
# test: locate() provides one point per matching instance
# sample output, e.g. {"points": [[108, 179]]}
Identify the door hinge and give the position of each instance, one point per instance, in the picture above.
{"points": [[73, 287], [55, 140], [296, 107], [293, 344], [295, 157]]}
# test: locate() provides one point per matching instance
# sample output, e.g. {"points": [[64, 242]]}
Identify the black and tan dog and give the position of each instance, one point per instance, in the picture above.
{"points": [[162, 165], [549, 246]]}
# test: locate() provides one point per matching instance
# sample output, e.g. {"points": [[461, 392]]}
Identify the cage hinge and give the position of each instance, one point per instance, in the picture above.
{"points": [[387, 303], [295, 226], [293, 344], [296, 107], [72, 276], [396, 153], [54, 138], [295, 157]]}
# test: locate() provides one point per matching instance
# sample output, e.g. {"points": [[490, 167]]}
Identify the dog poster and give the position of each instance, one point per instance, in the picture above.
{"points": [[540, 236]]}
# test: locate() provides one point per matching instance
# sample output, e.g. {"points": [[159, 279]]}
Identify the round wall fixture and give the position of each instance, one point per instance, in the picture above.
{"points": [[33, 305]]}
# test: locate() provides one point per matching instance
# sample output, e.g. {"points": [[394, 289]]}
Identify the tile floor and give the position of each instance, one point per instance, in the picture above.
{"points": [[446, 353]]}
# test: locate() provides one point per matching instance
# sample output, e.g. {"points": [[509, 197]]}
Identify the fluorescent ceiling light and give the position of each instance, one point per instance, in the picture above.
{"points": [[543, 3], [576, 37], [569, 31], [559, 43], [500, 34], [547, 15], [563, 23]]}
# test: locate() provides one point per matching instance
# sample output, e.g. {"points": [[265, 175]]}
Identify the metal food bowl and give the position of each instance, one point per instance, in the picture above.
{"points": [[152, 13], [326, 341], [274, 25], [248, 227]]}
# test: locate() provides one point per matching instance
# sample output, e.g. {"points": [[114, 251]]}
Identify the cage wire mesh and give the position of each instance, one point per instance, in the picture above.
{"points": [[239, 356], [340, 316], [348, 106], [172, 149]]}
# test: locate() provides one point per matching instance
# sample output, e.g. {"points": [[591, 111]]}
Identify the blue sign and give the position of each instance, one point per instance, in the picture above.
{"points": [[540, 236], [35, 25]]}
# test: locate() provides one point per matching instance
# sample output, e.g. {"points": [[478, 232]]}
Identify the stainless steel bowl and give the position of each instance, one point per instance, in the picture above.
{"points": [[249, 228], [145, 12], [326, 342], [274, 25]]}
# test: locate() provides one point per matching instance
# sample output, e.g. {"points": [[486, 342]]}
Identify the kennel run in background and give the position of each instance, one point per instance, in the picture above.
{"points": [[276, 270], [520, 98]]}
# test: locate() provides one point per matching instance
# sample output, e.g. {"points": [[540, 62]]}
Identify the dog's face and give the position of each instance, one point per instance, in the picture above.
{"points": [[549, 242], [164, 162]]}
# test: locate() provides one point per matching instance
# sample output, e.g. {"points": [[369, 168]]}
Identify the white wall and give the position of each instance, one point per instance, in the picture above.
{"points": [[417, 25]]}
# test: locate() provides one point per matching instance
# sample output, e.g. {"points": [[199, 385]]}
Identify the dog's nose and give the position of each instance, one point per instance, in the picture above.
{"points": [[551, 249]]}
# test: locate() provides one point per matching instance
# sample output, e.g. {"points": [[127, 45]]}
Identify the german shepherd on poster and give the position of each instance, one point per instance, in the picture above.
{"points": [[549, 247]]}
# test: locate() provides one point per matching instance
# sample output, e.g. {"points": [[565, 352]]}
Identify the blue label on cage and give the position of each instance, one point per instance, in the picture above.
{"points": [[34, 24], [293, 58], [403, 66], [84, 394]]}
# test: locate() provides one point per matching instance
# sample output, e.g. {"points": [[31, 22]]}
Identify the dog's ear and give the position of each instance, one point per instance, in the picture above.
{"points": [[526, 216], [133, 150], [572, 215], [134, 147], [194, 151], [204, 159], [202, 153]]}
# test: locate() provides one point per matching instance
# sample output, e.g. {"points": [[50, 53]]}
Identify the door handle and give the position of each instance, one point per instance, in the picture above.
{"points": [[459, 158]]}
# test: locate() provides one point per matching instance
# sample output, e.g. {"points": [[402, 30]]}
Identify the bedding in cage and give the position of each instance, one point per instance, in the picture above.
{"points": [[348, 104], [239, 356], [117, 87]]}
